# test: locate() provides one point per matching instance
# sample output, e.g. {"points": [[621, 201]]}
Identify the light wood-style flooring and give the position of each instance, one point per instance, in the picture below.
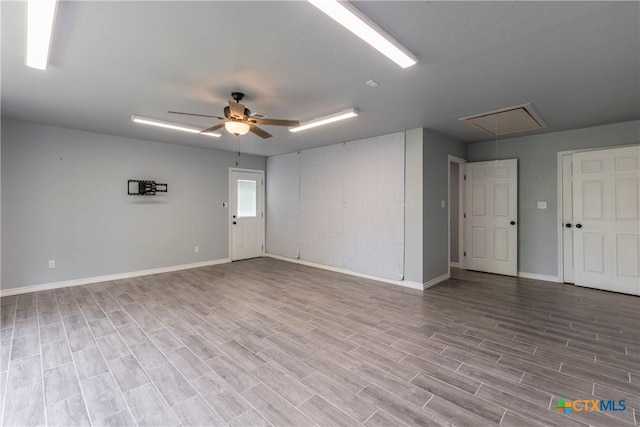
{"points": [[266, 342]]}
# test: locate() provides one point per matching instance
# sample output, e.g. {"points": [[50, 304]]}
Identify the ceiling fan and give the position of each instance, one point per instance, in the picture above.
{"points": [[238, 121]]}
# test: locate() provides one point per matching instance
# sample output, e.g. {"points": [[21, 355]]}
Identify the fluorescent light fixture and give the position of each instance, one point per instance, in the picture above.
{"points": [[326, 120], [170, 125], [40, 14], [237, 128], [356, 22]]}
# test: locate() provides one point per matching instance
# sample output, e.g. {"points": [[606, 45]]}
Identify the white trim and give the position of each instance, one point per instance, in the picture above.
{"points": [[405, 283], [535, 276], [435, 281], [461, 172], [109, 277]]}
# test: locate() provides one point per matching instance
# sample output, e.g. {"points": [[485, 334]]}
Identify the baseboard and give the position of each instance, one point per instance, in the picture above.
{"points": [[433, 282], [534, 276], [107, 278], [405, 283], [455, 265]]}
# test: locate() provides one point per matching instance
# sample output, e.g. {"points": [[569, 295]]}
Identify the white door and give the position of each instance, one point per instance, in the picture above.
{"points": [[606, 197], [491, 231], [567, 218], [247, 214]]}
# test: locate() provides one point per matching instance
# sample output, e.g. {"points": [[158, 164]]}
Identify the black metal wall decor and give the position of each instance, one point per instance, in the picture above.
{"points": [[137, 187]]}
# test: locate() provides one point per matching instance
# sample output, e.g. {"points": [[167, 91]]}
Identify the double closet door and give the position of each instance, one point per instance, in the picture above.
{"points": [[601, 219]]}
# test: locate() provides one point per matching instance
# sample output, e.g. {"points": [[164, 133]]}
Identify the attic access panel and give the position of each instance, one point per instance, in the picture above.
{"points": [[521, 118]]}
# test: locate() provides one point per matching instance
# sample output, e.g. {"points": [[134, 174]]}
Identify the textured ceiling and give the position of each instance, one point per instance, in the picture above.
{"points": [[578, 63]]}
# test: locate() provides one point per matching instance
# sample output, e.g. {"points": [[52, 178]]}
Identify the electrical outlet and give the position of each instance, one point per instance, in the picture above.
{"points": [[542, 205], [52, 263], [196, 249]]}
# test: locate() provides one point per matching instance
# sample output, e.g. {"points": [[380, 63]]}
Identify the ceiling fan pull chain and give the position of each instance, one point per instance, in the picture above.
{"points": [[238, 145]]}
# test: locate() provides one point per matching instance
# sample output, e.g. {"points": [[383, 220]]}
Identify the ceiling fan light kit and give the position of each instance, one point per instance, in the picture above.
{"points": [[237, 128], [170, 125], [331, 118], [359, 24], [40, 16]]}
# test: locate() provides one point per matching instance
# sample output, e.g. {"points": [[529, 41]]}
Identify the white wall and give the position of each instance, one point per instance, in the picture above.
{"points": [[349, 206], [64, 199]]}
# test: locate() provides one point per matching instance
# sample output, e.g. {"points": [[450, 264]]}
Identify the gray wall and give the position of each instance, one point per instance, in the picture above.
{"points": [[64, 198], [537, 181], [413, 217], [436, 151]]}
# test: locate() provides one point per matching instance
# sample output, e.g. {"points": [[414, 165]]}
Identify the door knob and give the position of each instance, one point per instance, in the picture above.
{"points": [[512, 223], [578, 225], [568, 225]]}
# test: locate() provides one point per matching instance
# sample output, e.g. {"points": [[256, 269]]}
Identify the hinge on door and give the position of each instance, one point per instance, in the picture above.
{"points": [[464, 215], [464, 253], [261, 214], [465, 177]]}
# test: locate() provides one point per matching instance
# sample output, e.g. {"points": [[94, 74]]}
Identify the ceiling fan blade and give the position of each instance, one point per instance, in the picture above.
{"points": [[274, 122], [212, 128], [236, 109], [260, 132], [194, 114]]}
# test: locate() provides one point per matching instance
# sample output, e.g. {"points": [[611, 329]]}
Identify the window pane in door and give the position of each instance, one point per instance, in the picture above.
{"points": [[247, 199]]}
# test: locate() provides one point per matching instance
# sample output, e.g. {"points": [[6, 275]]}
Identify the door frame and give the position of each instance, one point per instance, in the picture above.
{"points": [[461, 175], [559, 200], [264, 208]]}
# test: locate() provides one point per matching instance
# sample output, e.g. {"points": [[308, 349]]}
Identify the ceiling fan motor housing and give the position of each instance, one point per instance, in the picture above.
{"points": [[227, 113]]}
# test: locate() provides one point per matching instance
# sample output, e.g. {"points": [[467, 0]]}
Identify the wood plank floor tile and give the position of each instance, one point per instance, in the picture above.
{"points": [[102, 396], [287, 387], [250, 418], [469, 402], [309, 346], [220, 396], [383, 419], [196, 412], [340, 397], [274, 408], [237, 377], [325, 414], [149, 408], [406, 412], [24, 407], [69, 412]]}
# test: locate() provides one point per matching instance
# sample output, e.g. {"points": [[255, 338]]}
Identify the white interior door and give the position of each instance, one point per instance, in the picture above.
{"points": [[606, 197], [491, 231], [247, 214], [567, 218]]}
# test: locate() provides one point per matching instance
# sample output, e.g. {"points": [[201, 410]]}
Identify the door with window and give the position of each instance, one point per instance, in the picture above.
{"points": [[247, 213], [491, 209], [606, 219]]}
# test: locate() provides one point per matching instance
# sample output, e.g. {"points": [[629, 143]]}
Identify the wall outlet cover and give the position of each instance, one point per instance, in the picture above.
{"points": [[542, 205]]}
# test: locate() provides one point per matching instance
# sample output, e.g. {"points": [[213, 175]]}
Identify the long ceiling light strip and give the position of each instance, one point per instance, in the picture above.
{"points": [[356, 22], [342, 115], [40, 16], [170, 125]]}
